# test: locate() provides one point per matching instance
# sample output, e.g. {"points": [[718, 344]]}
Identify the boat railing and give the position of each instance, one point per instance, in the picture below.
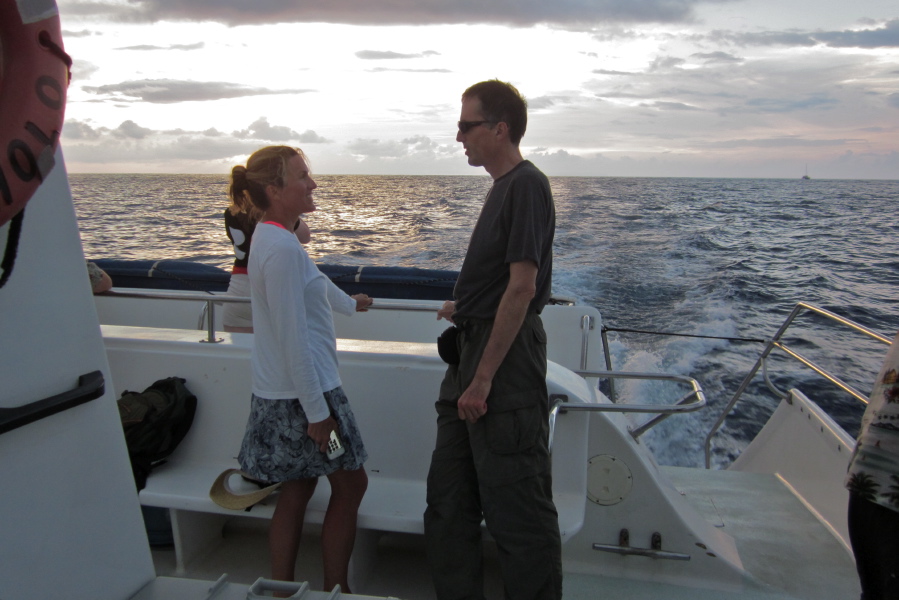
{"points": [[692, 400], [206, 319], [776, 342]]}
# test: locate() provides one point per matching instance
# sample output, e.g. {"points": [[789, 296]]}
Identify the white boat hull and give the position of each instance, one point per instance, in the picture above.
{"points": [[70, 518]]}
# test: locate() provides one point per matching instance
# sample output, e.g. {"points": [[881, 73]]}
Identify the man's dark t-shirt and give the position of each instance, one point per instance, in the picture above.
{"points": [[517, 222]]}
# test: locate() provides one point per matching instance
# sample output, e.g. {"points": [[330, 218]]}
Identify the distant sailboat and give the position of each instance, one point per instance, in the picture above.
{"points": [[806, 173]]}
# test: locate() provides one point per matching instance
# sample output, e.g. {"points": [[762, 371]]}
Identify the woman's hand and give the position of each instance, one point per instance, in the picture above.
{"points": [[362, 302], [320, 432]]}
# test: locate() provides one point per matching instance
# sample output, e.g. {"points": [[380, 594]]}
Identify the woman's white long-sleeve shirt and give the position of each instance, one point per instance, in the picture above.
{"points": [[294, 347]]}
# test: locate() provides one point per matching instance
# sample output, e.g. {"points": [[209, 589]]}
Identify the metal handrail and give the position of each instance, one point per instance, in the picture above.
{"points": [[586, 326], [211, 299], [776, 343], [207, 315], [222, 297], [693, 400], [608, 356], [684, 404]]}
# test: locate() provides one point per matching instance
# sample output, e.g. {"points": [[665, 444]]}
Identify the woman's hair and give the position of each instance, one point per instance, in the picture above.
{"points": [[266, 166]]}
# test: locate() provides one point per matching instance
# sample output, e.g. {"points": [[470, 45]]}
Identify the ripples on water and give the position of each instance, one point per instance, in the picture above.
{"points": [[700, 256]]}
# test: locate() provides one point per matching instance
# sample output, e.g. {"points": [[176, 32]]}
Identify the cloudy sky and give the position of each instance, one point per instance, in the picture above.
{"points": [[717, 88]]}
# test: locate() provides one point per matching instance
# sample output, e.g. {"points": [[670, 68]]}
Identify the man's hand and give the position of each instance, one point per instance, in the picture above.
{"points": [[473, 402], [446, 311], [320, 432]]}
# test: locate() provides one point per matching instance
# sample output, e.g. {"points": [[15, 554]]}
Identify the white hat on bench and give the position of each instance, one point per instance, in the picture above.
{"points": [[222, 494]]}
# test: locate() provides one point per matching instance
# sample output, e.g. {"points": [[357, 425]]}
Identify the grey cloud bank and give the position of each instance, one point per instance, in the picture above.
{"points": [[645, 88], [523, 13], [168, 91]]}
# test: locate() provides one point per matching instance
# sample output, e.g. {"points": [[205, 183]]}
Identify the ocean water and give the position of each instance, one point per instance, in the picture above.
{"points": [[704, 257]]}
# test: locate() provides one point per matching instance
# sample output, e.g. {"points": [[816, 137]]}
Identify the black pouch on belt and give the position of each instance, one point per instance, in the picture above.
{"points": [[447, 346]]}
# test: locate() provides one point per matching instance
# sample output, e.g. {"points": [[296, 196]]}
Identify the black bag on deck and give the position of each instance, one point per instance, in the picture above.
{"points": [[155, 421]]}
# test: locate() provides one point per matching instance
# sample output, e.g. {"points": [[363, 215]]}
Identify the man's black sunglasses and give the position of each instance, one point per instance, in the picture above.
{"points": [[466, 126]]}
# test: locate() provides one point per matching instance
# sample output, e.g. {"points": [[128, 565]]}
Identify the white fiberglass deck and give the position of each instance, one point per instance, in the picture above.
{"points": [[788, 552], [780, 542]]}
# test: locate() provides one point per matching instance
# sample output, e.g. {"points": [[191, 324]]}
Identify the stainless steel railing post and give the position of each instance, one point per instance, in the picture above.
{"points": [[693, 400], [776, 343], [210, 324], [608, 356]]}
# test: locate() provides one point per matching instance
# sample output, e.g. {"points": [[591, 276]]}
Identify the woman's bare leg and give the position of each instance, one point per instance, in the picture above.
{"points": [[287, 526], [339, 528]]}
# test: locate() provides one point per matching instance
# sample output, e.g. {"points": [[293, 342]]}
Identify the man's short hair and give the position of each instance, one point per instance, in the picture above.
{"points": [[501, 102]]}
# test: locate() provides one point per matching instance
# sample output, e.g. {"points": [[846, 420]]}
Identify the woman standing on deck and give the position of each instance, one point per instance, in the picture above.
{"points": [[297, 396]]}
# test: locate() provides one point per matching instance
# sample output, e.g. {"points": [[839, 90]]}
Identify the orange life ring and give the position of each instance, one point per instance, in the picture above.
{"points": [[34, 74]]}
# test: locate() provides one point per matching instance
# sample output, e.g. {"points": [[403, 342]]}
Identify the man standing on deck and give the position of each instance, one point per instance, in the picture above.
{"points": [[491, 459]]}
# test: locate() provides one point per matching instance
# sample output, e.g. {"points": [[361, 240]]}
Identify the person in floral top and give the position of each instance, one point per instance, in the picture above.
{"points": [[873, 483]]}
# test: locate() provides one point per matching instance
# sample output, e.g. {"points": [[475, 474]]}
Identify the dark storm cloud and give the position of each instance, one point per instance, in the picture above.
{"points": [[394, 12], [170, 91]]}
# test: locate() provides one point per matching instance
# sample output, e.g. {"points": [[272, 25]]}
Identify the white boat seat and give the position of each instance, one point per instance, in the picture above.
{"points": [[398, 429]]}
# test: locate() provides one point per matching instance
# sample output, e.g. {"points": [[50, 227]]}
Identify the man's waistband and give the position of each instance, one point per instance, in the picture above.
{"points": [[464, 322]]}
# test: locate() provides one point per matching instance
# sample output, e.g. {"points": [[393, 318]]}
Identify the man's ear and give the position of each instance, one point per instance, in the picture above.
{"points": [[502, 129]]}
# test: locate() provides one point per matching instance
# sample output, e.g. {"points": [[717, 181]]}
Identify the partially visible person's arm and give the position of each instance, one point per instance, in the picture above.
{"points": [[345, 304], [302, 231], [100, 280]]}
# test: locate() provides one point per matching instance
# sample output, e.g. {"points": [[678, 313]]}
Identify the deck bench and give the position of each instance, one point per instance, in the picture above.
{"points": [[398, 428]]}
